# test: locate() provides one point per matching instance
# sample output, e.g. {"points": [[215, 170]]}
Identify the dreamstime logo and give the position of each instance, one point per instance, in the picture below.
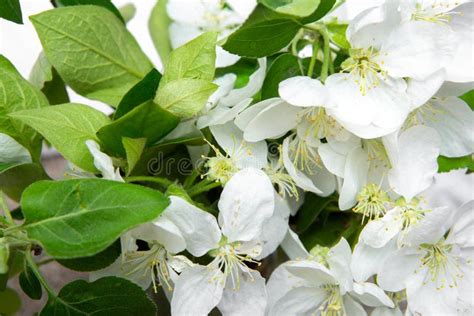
{"points": [[166, 166]]}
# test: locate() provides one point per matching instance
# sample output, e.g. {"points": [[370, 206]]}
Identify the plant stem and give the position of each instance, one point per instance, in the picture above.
{"points": [[6, 210], [36, 271], [163, 181], [327, 54], [314, 58], [201, 189], [190, 180]]}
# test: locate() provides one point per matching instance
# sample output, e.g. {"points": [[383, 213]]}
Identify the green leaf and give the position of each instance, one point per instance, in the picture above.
{"points": [[67, 127], [128, 11], [313, 206], [194, 60], [147, 120], [104, 297], [143, 91], [292, 7], [134, 148], [263, 38], [30, 284], [46, 78], [158, 25], [283, 67], [79, 218], [96, 262], [324, 7], [11, 302], [469, 99], [446, 164], [15, 178], [185, 97], [92, 51], [11, 10], [17, 94], [337, 33], [107, 4]]}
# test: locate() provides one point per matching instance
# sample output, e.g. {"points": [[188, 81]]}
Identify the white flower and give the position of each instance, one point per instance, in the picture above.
{"points": [[11, 151], [103, 163], [321, 285], [405, 162], [227, 282], [192, 18], [370, 97], [436, 271]]}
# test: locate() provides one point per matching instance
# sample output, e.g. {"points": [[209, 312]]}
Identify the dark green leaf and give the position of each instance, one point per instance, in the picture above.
{"points": [[283, 67], [263, 38], [324, 7], [104, 297], [143, 91], [147, 120], [446, 164], [96, 262], [313, 206], [101, 3], [243, 69], [79, 218], [30, 284], [11, 10], [469, 99], [16, 178]]}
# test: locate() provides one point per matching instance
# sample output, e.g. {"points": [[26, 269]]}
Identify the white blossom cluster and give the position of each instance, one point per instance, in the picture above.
{"points": [[372, 133]]}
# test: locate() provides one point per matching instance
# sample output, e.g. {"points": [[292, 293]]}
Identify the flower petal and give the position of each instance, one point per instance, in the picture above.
{"points": [[303, 91], [293, 247], [398, 268], [246, 202], [197, 291], [366, 260], [339, 260], [355, 178], [299, 301], [371, 295]]}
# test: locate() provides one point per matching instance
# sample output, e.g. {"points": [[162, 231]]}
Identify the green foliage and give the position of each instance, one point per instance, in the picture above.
{"points": [[46, 78], [78, 218], [299, 8], [133, 148], [107, 4], [67, 127], [337, 33], [312, 207], [30, 284], [324, 7], [15, 178], [96, 262], [158, 25], [262, 38], [185, 97], [92, 51], [106, 296], [283, 67], [11, 302], [143, 91], [194, 60], [141, 122], [11, 10], [468, 97], [446, 164], [17, 94]]}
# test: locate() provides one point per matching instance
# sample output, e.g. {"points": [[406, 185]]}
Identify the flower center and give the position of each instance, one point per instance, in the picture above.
{"points": [[279, 177], [333, 305], [151, 262], [230, 261], [371, 202], [304, 156], [320, 254], [363, 68], [430, 15], [376, 153], [442, 264], [220, 168], [321, 124], [427, 112]]}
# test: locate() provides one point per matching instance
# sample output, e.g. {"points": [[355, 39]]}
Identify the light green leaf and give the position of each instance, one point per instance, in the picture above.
{"points": [[17, 94], [92, 51], [337, 33], [41, 71], [134, 149], [185, 97], [67, 127], [79, 218], [106, 296], [446, 164], [128, 11], [194, 60], [158, 25], [292, 7]]}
